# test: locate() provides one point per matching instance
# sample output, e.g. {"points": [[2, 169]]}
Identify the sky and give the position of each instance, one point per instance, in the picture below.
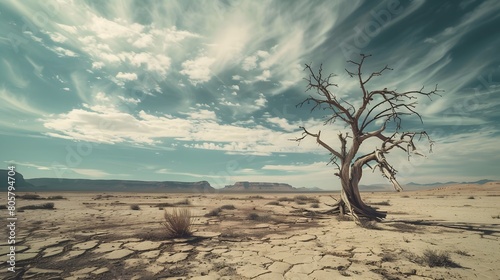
{"points": [[207, 90]]}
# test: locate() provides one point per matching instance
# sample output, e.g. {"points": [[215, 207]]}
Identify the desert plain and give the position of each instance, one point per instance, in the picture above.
{"points": [[264, 236]]}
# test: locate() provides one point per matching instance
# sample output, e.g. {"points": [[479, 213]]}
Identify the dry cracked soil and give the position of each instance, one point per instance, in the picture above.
{"points": [[265, 236]]}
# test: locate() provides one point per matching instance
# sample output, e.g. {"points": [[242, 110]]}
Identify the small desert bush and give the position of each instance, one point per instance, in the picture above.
{"points": [[301, 197], [253, 216], [342, 218], [471, 197], [46, 206], [283, 199], [462, 252], [496, 217], [56, 197], [256, 217], [300, 202], [178, 222], [388, 257], [277, 203], [386, 203], [164, 204], [256, 197], [213, 213], [368, 224], [305, 199], [183, 202], [135, 207], [228, 207], [314, 205], [405, 196], [433, 258], [30, 197]]}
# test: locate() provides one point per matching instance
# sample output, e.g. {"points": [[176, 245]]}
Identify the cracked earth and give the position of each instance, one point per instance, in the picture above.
{"points": [[99, 236]]}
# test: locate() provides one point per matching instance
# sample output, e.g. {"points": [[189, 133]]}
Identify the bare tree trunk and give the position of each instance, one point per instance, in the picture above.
{"points": [[350, 199]]}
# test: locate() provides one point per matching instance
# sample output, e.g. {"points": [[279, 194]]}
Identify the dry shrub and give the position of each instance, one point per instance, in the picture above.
{"points": [[46, 206], [228, 207], [213, 213], [306, 199], [135, 207], [433, 258], [314, 205], [368, 224], [183, 202], [30, 197], [342, 218], [277, 203], [385, 203], [282, 199], [178, 222], [388, 257], [253, 216], [301, 197]]}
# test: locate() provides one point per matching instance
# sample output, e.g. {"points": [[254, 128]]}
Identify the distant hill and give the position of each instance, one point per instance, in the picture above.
{"points": [[55, 184], [19, 182], [265, 187], [416, 186], [51, 184], [479, 182]]}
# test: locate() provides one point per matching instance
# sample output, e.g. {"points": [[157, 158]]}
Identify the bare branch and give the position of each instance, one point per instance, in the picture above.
{"points": [[318, 139]]}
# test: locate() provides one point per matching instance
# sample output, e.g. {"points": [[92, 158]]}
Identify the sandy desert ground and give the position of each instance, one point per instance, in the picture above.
{"points": [[99, 236]]}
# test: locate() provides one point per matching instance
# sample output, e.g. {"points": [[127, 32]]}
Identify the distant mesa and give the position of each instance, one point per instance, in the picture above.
{"points": [[264, 187], [56, 184], [19, 180]]}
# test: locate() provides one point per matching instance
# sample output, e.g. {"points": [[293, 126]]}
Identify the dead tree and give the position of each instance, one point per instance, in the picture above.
{"points": [[378, 109]]}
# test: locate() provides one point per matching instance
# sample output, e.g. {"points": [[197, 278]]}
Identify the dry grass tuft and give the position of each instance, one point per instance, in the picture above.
{"points": [[183, 202], [432, 258], [388, 257], [463, 253], [277, 203], [342, 218], [30, 197], [384, 203], [303, 199], [45, 206], [368, 224], [178, 223], [228, 207], [56, 197], [135, 207], [214, 212], [438, 259]]}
